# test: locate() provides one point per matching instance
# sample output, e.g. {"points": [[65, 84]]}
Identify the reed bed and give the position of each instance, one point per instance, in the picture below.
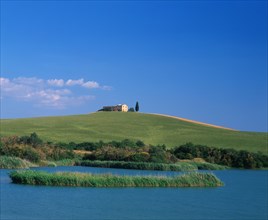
{"points": [[108, 180], [208, 166], [7, 162], [179, 166]]}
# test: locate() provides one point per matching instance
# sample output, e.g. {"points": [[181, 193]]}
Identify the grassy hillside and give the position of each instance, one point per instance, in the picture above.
{"points": [[152, 129]]}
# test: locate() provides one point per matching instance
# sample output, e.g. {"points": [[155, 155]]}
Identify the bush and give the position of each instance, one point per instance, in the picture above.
{"points": [[140, 143], [33, 149], [59, 154], [131, 109], [31, 155], [14, 163], [140, 157], [158, 154], [33, 140]]}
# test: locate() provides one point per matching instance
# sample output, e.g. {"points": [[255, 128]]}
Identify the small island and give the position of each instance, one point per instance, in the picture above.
{"points": [[32, 177]]}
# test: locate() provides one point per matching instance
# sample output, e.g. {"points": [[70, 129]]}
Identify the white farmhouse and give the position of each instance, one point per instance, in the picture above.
{"points": [[116, 108]]}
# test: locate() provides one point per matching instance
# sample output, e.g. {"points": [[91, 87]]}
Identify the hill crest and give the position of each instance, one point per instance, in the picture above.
{"points": [[195, 122], [149, 128]]}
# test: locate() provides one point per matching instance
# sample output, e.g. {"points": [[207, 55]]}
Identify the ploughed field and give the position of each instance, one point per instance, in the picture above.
{"points": [[150, 128]]}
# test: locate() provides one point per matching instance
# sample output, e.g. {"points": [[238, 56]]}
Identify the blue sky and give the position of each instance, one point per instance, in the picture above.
{"points": [[201, 60]]}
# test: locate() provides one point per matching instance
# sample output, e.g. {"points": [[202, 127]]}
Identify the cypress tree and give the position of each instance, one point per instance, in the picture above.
{"points": [[137, 108]]}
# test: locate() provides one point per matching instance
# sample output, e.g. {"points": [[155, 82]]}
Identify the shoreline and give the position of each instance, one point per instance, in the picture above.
{"points": [[18, 163]]}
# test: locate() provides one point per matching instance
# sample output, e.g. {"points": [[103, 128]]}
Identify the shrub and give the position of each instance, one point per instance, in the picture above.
{"points": [[33, 140], [140, 143], [140, 157], [31, 155], [14, 163], [131, 109], [59, 154]]}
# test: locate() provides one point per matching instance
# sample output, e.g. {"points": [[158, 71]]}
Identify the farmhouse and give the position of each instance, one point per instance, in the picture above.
{"points": [[116, 108]]}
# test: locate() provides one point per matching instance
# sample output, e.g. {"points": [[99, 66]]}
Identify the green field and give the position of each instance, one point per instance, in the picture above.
{"points": [[151, 129]]}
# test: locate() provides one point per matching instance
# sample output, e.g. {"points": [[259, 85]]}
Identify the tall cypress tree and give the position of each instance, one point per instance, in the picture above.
{"points": [[137, 107]]}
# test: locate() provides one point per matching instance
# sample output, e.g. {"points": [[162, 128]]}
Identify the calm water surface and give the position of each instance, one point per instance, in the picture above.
{"points": [[244, 196]]}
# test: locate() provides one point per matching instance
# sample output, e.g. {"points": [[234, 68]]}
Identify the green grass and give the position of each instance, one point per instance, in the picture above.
{"points": [[108, 180], [152, 129], [179, 166], [14, 163], [207, 166]]}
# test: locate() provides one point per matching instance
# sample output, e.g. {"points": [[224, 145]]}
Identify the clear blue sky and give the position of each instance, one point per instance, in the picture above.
{"points": [[201, 60]]}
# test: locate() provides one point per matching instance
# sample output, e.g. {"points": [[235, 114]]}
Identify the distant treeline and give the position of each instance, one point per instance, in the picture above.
{"points": [[128, 150], [227, 157], [33, 149], [91, 146]]}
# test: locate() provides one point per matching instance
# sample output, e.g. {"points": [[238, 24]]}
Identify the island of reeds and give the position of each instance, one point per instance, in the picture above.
{"points": [[178, 166], [108, 180]]}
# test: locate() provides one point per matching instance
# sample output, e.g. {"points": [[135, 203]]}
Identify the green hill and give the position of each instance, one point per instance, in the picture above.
{"points": [[150, 128]]}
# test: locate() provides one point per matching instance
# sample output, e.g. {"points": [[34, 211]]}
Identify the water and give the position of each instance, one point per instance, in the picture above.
{"points": [[244, 196]]}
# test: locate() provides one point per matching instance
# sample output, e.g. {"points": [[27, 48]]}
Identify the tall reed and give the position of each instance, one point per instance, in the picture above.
{"points": [[7, 162], [179, 166], [108, 180]]}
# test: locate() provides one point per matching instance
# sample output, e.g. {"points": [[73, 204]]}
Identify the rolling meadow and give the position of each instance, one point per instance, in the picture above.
{"points": [[117, 126]]}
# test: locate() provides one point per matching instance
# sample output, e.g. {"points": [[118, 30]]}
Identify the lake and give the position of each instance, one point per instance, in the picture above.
{"points": [[244, 196]]}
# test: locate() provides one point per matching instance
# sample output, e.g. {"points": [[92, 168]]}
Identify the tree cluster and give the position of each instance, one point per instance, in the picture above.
{"points": [[227, 157], [32, 148], [154, 154]]}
